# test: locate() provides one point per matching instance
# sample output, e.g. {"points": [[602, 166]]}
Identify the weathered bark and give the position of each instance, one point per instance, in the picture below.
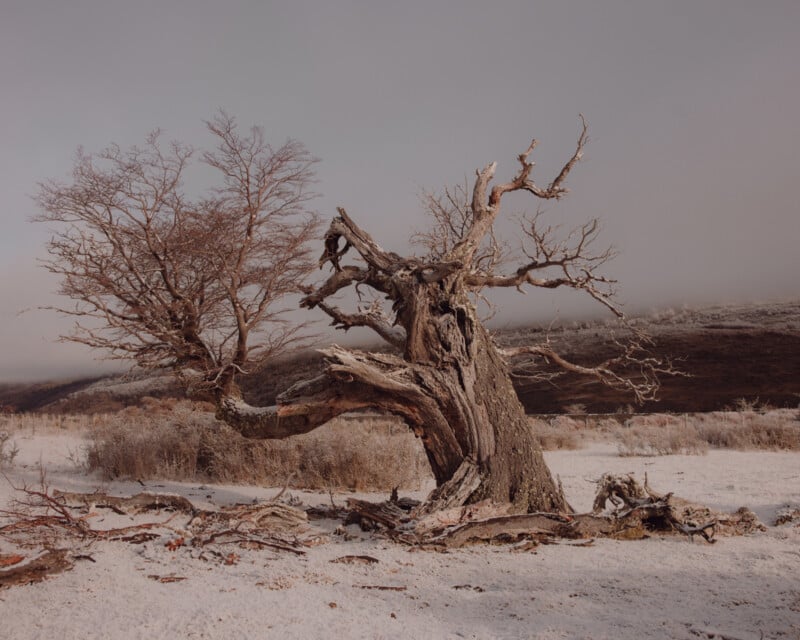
{"points": [[144, 501], [456, 395], [48, 563], [451, 385], [639, 513], [501, 459]]}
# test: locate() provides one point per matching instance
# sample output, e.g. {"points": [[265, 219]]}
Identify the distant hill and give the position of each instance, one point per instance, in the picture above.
{"points": [[750, 352], [33, 396], [87, 395], [732, 352]]}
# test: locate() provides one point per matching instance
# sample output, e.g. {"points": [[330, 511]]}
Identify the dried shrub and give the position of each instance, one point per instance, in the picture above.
{"points": [[141, 445], [664, 434], [188, 444], [33, 423], [776, 429], [351, 453], [659, 435], [560, 432], [100, 402], [8, 449]]}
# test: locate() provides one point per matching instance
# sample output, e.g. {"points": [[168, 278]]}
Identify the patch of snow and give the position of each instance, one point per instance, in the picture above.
{"points": [[745, 587]]}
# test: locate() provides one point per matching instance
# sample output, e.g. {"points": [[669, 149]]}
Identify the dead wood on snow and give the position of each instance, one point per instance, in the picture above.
{"points": [[638, 512]]}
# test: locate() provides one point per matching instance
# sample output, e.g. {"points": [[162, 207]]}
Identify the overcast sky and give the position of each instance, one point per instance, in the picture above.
{"points": [[693, 107]]}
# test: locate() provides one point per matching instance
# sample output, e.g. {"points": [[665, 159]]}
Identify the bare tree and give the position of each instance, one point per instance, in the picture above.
{"points": [[170, 281], [451, 384]]}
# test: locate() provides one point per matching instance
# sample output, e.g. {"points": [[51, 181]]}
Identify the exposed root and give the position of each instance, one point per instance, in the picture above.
{"points": [[456, 491], [371, 516], [52, 520], [638, 512], [662, 513], [138, 503]]}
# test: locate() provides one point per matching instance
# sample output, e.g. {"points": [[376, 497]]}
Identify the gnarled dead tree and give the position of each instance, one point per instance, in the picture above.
{"points": [[450, 382], [166, 280]]}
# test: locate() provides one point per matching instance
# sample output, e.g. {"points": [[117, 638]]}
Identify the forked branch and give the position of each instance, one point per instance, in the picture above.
{"points": [[632, 370], [372, 318], [485, 209], [343, 227]]}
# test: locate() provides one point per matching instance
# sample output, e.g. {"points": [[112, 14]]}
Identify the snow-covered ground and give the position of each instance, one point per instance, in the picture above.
{"points": [[745, 587]]}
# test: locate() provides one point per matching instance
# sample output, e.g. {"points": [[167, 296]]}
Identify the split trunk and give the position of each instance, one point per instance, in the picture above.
{"points": [[451, 387]]}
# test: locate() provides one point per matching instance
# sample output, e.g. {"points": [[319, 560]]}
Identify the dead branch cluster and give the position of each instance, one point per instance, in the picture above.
{"points": [[463, 232], [637, 512], [632, 369], [58, 526], [49, 520], [462, 243]]}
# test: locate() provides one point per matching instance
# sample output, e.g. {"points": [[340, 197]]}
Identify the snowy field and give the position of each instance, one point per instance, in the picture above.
{"points": [[746, 587]]}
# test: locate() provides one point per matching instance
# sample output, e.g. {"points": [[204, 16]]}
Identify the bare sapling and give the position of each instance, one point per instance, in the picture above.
{"points": [[193, 284]]}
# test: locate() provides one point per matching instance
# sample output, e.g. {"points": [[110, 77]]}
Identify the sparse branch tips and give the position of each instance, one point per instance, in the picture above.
{"points": [[187, 284], [166, 281], [452, 386]]}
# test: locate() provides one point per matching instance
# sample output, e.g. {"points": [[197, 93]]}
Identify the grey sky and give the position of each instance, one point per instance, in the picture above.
{"points": [[692, 106]]}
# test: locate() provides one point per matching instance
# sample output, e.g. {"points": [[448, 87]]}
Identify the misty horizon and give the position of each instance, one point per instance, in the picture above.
{"points": [[691, 165]]}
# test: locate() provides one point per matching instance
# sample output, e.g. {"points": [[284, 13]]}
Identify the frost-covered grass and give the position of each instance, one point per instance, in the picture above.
{"points": [[181, 440], [664, 434], [187, 443], [748, 428]]}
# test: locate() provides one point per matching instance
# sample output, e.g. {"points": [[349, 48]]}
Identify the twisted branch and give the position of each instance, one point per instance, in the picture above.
{"points": [[614, 372]]}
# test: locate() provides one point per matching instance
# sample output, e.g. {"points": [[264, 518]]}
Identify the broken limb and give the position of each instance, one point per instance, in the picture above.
{"points": [[638, 512]]}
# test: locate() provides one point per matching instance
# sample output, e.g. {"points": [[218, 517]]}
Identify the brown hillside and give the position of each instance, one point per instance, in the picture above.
{"points": [[729, 353], [750, 352]]}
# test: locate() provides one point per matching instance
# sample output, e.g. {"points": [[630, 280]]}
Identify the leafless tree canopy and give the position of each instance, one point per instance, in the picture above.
{"points": [[169, 280], [451, 384], [461, 239]]}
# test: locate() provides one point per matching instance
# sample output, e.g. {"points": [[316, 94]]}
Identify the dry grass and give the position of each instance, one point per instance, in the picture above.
{"points": [[777, 429], [44, 422], [559, 432], [663, 434], [746, 428], [154, 444], [659, 435], [8, 449], [352, 453], [179, 440], [184, 443]]}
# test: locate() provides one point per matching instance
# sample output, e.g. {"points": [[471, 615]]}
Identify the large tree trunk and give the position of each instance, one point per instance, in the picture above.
{"points": [[488, 446], [451, 385], [454, 391], [500, 455]]}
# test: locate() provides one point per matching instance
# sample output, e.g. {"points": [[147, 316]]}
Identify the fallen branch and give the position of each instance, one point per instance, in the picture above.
{"points": [[233, 536], [787, 515], [48, 563], [138, 503], [45, 518], [355, 560], [639, 512], [370, 516], [166, 579], [379, 587]]}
